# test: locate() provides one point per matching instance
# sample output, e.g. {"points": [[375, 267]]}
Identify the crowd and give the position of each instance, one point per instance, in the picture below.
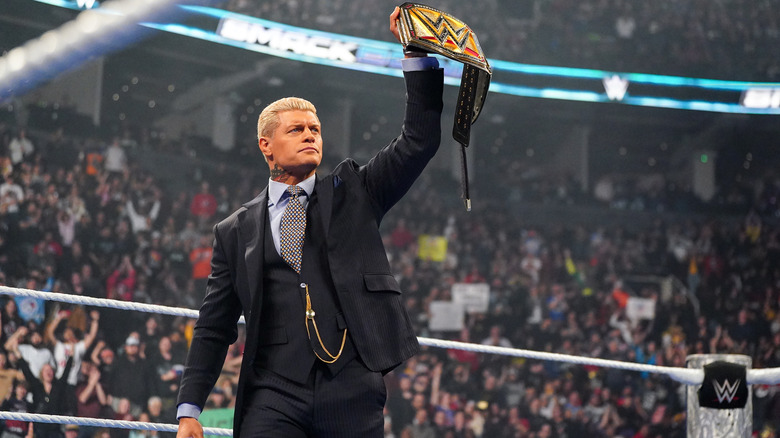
{"points": [[82, 217], [729, 39]]}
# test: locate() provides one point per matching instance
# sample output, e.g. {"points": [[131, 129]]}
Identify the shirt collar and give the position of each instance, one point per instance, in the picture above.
{"points": [[276, 189]]}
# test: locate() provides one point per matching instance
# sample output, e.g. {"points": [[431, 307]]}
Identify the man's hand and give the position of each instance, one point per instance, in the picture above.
{"points": [[394, 23], [409, 51], [189, 428]]}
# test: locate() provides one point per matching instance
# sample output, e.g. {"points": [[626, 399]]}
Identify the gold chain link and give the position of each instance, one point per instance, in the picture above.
{"points": [[310, 316]]}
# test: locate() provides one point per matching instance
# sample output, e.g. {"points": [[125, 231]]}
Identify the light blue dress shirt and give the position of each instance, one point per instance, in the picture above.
{"points": [[278, 199]]}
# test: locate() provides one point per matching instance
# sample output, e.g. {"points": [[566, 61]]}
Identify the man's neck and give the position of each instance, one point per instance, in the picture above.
{"points": [[288, 177]]}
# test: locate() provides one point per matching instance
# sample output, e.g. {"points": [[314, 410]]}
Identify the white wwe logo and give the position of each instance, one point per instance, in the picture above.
{"points": [[85, 4], [615, 86], [726, 391]]}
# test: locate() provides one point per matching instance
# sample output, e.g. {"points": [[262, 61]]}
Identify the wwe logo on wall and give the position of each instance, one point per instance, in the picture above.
{"points": [[615, 86], [726, 391]]}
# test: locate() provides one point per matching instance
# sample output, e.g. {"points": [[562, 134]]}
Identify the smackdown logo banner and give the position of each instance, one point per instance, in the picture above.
{"points": [[724, 386], [525, 80]]}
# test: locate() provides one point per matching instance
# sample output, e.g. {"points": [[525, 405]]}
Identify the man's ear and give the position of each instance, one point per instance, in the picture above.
{"points": [[265, 147]]}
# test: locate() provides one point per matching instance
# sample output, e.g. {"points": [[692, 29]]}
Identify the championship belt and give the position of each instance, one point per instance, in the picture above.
{"points": [[431, 30]]}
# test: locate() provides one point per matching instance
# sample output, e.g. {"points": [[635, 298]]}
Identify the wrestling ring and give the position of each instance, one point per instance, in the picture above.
{"points": [[702, 422]]}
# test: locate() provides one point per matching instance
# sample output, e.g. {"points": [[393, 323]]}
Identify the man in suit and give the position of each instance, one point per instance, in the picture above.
{"points": [[324, 314]]}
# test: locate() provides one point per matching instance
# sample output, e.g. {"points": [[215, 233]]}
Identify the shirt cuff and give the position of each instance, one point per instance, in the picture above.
{"points": [[419, 64], [188, 410]]}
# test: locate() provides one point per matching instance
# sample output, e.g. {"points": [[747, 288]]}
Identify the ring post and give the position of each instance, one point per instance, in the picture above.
{"points": [[706, 422]]}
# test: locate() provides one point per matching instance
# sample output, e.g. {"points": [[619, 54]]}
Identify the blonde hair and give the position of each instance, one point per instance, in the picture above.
{"points": [[269, 118]]}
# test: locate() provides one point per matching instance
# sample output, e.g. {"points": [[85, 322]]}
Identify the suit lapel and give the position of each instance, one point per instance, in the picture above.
{"points": [[252, 227], [324, 188]]}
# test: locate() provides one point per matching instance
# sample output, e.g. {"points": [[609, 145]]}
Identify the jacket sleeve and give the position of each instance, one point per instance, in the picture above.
{"points": [[215, 329], [389, 175]]}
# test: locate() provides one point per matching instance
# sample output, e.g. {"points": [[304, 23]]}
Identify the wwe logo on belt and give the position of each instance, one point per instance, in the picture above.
{"points": [[443, 27], [726, 391]]}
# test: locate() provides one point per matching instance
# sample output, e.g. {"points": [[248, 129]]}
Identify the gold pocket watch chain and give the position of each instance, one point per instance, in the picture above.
{"points": [[310, 316]]}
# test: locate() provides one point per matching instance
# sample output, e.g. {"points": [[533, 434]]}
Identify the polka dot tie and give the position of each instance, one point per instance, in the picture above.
{"points": [[292, 228]]}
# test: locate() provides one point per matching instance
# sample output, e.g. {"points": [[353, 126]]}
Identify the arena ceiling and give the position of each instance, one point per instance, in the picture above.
{"points": [[165, 66]]}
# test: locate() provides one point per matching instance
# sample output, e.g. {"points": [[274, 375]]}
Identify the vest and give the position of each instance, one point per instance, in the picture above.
{"points": [[284, 346]]}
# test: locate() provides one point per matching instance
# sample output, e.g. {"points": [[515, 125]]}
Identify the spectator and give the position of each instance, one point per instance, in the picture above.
{"points": [[165, 373], [47, 251], [154, 413], [32, 350], [144, 433], [130, 378], [69, 348], [103, 358], [122, 413], [66, 225], [10, 318], [115, 158], [203, 205], [190, 233], [73, 431], [200, 260], [224, 201], [496, 339], [20, 148], [421, 427], [121, 283], [17, 403], [90, 286], [6, 166], [50, 395], [90, 395], [10, 203], [142, 218], [9, 187], [7, 377], [150, 337]]}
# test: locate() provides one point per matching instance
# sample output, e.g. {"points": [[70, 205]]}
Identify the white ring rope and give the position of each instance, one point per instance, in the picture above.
{"points": [[101, 302], [116, 424], [688, 376]]}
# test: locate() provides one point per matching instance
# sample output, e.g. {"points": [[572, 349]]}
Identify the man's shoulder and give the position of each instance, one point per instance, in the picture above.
{"points": [[348, 165], [233, 220], [348, 170], [33, 350]]}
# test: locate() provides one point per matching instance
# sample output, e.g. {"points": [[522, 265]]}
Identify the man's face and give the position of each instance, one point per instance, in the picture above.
{"points": [[107, 356], [296, 144], [69, 336], [131, 350]]}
